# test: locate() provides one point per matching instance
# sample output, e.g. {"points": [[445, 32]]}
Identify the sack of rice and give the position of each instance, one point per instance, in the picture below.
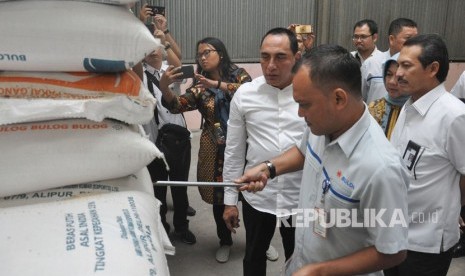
{"points": [[139, 181], [120, 96], [105, 234], [71, 36], [43, 155]]}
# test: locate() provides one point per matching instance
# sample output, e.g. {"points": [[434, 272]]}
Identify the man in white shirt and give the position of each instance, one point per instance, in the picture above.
{"points": [[373, 88], [263, 122], [429, 134], [365, 35], [351, 175]]}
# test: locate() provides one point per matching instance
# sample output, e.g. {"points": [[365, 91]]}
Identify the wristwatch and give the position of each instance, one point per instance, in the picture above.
{"points": [[271, 168], [167, 46]]}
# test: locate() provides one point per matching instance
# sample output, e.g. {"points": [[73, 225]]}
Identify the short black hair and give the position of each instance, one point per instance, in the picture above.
{"points": [[332, 66], [370, 23], [397, 24], [433, 49], [283, 31]]}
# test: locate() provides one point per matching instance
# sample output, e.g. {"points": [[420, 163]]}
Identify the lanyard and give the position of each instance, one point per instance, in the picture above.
{"points": [[326, 185]]}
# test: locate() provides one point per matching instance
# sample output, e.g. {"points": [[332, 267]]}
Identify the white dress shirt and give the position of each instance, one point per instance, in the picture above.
{"points": [[459, 88], [375, 52], [372, 77], [435, 122], [263, 123], [366, 173]]}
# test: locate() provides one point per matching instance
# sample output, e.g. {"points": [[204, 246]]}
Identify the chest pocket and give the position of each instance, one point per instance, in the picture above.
{"points": [[340, 195]]}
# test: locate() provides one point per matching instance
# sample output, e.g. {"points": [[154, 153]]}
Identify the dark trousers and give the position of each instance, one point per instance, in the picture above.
{"points": [[179, 171], [422, 264], [259, 230], [221, 230]]}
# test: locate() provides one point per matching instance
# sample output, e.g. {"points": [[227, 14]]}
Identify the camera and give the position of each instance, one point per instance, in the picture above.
{"points": [[157, 10], [303, 29]]}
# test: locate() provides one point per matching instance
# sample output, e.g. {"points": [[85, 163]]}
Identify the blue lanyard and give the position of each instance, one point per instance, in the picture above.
{"points": [[326, 185]]}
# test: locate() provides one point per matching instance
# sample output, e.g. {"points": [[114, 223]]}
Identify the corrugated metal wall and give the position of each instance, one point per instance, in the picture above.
{"points": [[240, 24]]}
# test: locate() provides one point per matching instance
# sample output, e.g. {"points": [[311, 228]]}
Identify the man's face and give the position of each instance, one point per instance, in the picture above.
{"points": [[314, 104], [396, 42], [363, 40], [413, 79], [277, 60]]}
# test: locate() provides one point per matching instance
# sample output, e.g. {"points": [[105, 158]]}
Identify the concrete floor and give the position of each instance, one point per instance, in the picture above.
{"points": [[199, 259]]}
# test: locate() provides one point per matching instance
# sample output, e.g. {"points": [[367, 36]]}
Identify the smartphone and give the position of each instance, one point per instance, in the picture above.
{"points": [[303, 29], [187, 71], [157, 10], [151, 27]]}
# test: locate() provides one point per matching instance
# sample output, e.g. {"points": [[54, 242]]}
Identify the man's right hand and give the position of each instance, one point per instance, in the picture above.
{"points": [[231, 217]]}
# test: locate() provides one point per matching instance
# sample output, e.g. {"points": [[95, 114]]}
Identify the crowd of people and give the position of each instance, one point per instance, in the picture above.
{"points": [[322, 132]]}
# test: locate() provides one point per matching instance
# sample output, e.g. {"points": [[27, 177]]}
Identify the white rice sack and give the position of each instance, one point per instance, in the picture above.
{"points": [[71, 36], [44, 155], [112, 2], [139, 181], [120, 96], [107, 234]]}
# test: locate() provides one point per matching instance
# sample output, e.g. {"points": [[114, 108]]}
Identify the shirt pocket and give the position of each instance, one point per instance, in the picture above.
{"points": [[340, 195]]}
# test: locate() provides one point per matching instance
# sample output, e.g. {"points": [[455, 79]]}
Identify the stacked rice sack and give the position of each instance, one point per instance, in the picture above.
{"points": [[75, 195]]}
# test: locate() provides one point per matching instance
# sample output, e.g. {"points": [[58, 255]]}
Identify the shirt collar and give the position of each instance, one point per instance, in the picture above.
{"points": [[349, 139], [423, 104], [152, 70]]}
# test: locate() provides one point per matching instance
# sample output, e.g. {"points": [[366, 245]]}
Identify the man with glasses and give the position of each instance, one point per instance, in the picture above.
{"points": [[373, 88], [364, 39]]}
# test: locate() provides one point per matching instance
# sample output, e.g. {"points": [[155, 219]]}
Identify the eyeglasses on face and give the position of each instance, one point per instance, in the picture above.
{"points": [[361, 37], [205, 54]]}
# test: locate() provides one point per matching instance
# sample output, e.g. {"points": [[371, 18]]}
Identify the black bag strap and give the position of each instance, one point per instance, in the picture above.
{"points": [[153, 80]]}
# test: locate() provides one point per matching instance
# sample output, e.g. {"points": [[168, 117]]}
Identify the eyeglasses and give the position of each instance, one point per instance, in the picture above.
{"points": [[361, 37], [205, 54]]}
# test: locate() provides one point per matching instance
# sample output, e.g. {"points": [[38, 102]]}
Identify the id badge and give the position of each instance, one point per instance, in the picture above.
{"points": [[320, 225], [411, 154]]}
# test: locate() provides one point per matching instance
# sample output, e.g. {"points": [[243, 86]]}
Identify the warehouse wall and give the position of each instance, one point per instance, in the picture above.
{"points": [[240, 24]]}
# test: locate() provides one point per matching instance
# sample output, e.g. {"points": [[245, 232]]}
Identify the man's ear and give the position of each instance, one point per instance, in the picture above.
{"points": [[391, 39], [375, 38], [433, 68], [340, 98], [298, 55]]}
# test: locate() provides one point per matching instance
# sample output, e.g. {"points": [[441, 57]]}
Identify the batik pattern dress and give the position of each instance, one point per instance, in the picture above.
{"points": [[204, 101]]}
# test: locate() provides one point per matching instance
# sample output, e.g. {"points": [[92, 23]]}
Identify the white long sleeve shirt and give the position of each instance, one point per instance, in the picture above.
{"points": [[263, 123]]}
